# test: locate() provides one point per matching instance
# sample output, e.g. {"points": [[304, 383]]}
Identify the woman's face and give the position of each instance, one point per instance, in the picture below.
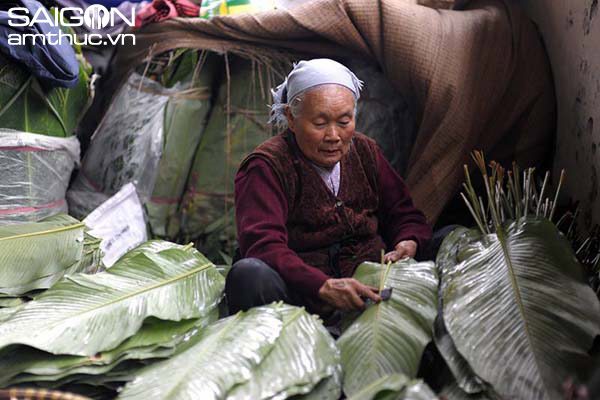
{"points": [[325, 126]]}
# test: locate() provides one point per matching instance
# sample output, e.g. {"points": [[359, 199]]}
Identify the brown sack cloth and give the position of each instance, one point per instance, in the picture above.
{"points": [[479, 76]]}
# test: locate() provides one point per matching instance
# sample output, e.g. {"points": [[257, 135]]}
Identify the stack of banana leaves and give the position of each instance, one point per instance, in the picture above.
{"points": [[517, 318], [276, 351], [149, 136], [90, 333], [236, 125], [147, 327], [185, 116], [34, 256]]}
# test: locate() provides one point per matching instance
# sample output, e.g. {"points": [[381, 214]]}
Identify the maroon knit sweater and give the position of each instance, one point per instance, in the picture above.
{"points": [[287, 218]]}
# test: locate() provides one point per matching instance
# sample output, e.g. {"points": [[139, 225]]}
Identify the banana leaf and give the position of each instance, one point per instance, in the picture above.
{"points": [[156, 340], [395, 387], [295, 358], [11, 302], [454, 392], [26, 106], [390, 337], [417, 390], [154, 246], [517, 307], [91, 262], [466, 379], [304, 355], [87, 314], [326, 389], [384, 388], [225, 355], [35, 255]]}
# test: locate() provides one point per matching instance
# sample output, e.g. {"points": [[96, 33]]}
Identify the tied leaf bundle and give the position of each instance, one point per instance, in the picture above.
{"points": [[237, 124], [381, 350], [517, 316], [185, 116], [97, 330]]}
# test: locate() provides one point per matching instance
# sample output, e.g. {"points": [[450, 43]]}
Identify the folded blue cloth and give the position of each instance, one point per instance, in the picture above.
{"points": [[56, 65]]}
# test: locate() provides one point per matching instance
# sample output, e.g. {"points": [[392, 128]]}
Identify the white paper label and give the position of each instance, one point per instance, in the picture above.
{"points": [[119, 222]]}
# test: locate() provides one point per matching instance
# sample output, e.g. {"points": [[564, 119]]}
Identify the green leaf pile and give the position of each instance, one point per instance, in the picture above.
{"points": [[98, 329], [270, 352], [519, 295], [518, 318]]}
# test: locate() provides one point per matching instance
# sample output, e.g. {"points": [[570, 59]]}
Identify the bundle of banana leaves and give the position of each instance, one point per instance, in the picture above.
{"points": [[382, 348], [236, 125], [36, 255], [185, 116], [91, 333], [517, 317], [125, 147], [276, 351], [39, 149]]}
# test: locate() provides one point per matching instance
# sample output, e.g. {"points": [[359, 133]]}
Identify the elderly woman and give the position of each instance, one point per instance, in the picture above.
{"points": [[315, 201]]}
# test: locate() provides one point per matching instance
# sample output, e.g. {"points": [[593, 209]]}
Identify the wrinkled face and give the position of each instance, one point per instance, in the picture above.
{"points": [[325, 125]]}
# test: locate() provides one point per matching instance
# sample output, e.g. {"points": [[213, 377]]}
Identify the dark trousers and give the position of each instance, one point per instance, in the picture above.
{"points": [[251, 282]]}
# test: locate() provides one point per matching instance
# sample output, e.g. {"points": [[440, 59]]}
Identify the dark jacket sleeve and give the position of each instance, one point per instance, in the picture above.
{"points": [[261, 215], [399, 218]]}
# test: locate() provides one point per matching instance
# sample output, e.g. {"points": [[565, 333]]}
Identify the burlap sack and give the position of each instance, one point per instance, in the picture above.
{"points": [[479, 76]]}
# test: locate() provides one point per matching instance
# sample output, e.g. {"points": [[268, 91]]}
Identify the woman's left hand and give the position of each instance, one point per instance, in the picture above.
{"points": [[404, 249]]}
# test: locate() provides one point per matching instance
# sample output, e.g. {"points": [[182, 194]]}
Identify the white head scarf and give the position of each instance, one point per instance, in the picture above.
{"points": [[307, 74]]}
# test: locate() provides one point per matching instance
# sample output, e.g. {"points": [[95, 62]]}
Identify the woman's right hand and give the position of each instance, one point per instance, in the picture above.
{"points": [[345, 294]]}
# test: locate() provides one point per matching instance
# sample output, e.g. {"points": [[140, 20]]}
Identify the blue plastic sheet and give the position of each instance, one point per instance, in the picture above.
{"points": [[55, 65]]}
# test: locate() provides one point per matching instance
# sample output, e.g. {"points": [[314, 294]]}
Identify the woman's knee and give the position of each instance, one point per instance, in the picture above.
{"points": [[251, 269], [251, 282]]}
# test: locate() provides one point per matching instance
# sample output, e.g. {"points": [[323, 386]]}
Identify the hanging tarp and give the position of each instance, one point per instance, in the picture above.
{"points": [[501, 101]]}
